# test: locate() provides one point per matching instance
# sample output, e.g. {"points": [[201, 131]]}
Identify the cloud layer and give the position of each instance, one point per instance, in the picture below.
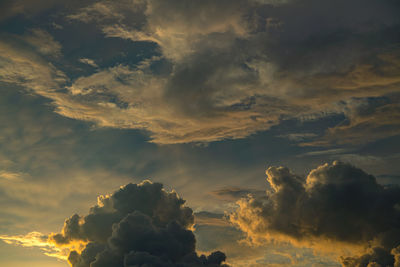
{"points": [[225, 69], [335, 203]]}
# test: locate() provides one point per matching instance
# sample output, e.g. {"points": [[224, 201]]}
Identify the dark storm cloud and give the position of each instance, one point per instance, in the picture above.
{"points": [[376, 257], [336, 203], [139, 225]]}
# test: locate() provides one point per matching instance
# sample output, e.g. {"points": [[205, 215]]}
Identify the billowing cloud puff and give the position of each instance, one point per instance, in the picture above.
{"points": [[226, 69], [334, 203], [139, 225]]}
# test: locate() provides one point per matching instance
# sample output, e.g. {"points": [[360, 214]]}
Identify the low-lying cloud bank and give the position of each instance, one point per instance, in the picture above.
{"points": [[335, 203], [139, 225]]}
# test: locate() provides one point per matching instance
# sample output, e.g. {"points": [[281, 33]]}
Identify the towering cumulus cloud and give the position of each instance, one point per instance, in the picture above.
{"points": [[139, 225], [334, 203]]}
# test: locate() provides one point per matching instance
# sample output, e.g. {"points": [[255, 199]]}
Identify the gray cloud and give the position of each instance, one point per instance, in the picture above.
{"points": [[231, 68], [297, 137], [376, 257], [368, 119], [214, 232], [234, 193], [209, 218], [138, 225], [334, 203]]}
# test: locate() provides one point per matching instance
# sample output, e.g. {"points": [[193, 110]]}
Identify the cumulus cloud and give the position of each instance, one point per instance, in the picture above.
{"points": [[138, 225], [336, 203]]}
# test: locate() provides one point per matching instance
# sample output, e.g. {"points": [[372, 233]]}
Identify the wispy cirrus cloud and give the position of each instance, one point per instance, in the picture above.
{"points": [[36, 240], [12, 175]]}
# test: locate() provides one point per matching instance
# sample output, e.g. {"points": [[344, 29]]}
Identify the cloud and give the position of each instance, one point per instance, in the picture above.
{"points": [[98, 11], [138, 225], [25, 200], [43, 42], [297, 137], [209, 218], [335, 151], [224, 237], [335, 203], [376, 256], [89, 62], [227, 69], [214, 78], [10, 175], [22, 65], [37, 240], [10, 9], [368, 119], [389, 178], [234, 193]]}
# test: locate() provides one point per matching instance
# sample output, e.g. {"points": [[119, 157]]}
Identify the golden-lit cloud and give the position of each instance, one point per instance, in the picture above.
{"points": [[37, 240], [89, 61], [221, 76], [241, 253], [336, 208], [103, 93], [138, 224], [43, 42], [10, 175]]}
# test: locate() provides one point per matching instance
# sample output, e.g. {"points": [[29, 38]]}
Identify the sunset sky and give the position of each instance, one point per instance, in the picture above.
{"points": [[277, 121]]}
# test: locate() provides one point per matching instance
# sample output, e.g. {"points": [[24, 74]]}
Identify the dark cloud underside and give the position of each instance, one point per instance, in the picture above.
{"points": [[336, 203], [139, 225]]}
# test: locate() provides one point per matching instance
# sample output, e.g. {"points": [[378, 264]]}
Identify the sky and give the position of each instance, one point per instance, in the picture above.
{"points": [[199, 133]]}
